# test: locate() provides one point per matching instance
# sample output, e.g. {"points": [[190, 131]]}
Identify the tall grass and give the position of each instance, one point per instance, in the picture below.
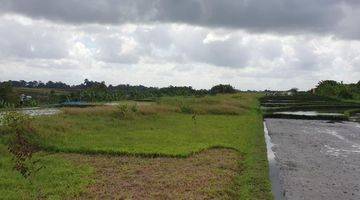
{"points": [[6, 105], [218, 105], [160, 128], [163, 129]]}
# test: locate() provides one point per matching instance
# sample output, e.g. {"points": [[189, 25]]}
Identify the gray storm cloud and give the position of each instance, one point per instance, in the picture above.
{"points": [[179, 42], [337, 17]]}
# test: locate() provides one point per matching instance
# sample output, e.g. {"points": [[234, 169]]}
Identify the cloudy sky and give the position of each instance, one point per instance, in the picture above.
{"points": [[251, 44]]}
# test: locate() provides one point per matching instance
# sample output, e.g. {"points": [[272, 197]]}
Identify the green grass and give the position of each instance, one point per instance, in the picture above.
{"points": [[58, 179], [171, 134], [227, 121]]}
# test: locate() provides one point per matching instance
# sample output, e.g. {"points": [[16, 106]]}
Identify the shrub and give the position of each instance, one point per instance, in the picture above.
{"points": [[222, 89], [345, 94], [135, 108], [186, 109], [336, 89], [21, 144], [7, 93], [123, 110], [127, 112]]}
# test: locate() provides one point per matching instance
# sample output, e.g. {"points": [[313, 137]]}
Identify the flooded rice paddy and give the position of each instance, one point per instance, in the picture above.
{"points": [[35, 111], [40, 111]]}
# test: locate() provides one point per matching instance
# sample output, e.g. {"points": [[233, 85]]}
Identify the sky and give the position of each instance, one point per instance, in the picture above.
{"points": [[250, 44]]}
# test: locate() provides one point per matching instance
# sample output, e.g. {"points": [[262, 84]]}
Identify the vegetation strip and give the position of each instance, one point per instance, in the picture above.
{"points": [[137, 154]]}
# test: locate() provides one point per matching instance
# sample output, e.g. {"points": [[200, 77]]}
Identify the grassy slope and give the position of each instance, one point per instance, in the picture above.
{"points": [[58, 179], [172, 134]]}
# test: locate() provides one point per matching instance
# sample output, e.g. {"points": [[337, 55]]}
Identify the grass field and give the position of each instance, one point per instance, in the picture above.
{"points": [[167, 128], [57, 179]]}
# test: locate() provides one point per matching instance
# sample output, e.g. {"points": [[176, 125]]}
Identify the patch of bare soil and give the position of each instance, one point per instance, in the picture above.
{"points": [[208, 175]]}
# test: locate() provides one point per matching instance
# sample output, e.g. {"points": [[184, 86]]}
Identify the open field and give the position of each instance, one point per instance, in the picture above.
{"points": [[207, 175], [154, 133]]}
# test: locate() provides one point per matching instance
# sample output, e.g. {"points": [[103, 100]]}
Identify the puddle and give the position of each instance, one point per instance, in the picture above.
{"points": [[40, 111], [37, 111], [355, 118], [308, 113], [341, 152], [274, 171], [139, 103], [335, 134], [111, 104]]}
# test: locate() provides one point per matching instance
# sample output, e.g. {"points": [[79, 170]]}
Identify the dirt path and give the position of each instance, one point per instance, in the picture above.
{"points": [[207, 175], [317, 160]]}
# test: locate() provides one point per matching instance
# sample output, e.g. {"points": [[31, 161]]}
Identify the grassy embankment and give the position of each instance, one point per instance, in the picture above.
{"points": [[167, 128]]}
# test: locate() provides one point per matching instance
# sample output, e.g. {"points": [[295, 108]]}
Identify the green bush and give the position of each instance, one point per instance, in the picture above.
{"points": [[186, 109], [222, 89], [135, 108], [21, 144], [7, 93], [123, 110], [127, 112], [336, 89]]}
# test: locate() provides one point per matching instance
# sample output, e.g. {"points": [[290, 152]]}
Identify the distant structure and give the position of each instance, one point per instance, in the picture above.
{"points": [[280, 93], [289, 93], [24, 98], [313, 91]]}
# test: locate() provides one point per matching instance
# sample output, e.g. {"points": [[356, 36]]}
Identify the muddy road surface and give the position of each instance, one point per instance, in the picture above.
{"points": [[317, 159]]}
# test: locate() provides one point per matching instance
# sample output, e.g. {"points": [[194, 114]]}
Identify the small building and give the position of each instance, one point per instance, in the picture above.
{"points": [[313, 90], [24, 98]]}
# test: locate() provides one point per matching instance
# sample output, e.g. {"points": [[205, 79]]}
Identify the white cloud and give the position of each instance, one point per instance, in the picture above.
{"points": [[171, 54]]}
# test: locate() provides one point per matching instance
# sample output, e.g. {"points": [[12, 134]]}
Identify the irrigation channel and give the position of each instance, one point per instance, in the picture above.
{"points": [[313, 148]]}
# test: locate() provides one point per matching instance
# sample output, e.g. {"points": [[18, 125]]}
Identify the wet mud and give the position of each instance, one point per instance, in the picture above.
{"points": [[316, 159]]}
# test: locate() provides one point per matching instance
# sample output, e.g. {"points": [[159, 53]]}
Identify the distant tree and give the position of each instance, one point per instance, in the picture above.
{"points": [[294, 90], [98, 91], [332, 88], [328, 88], [6, 92], [345, 93], [222, 89]]}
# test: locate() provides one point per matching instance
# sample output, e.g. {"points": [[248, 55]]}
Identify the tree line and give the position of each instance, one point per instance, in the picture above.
{"points": [[334, 89], [94, 91]]}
